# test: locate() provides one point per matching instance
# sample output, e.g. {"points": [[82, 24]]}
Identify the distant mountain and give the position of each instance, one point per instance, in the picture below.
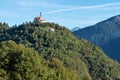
{"points": [[112, 48], [55, 55], [103, 34], [75, 29]]}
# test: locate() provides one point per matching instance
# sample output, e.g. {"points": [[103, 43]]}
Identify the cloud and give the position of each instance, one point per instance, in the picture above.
{"points": [[37, 4], [28, 4], [73, 8]]}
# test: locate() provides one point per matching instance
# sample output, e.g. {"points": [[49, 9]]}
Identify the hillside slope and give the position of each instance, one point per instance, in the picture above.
{"points": [[76, 54], [102, 33], [20, 63]]}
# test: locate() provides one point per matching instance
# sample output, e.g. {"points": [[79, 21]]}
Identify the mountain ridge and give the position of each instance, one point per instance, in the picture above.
{"points": [[75, 29], [102, 33]]}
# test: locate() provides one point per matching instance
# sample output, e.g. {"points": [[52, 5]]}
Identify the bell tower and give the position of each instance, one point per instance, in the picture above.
{"points": [[40, 14]]}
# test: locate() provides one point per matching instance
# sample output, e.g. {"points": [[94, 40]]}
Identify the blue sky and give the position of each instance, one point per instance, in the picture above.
{"points": [[69, 13]]}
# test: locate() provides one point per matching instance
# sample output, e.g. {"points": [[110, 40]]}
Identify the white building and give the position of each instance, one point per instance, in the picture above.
{"points": [[52, 29]]}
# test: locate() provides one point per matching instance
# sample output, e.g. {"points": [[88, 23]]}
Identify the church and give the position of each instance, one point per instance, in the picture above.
{"points": [[39, 19]]}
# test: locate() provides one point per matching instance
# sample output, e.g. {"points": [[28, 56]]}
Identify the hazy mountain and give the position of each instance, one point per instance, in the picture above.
{"points": [[112, 48], [55, 55], [75, 29], [103, 34]]}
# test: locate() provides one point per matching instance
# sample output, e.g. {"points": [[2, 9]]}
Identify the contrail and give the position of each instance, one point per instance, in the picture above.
{"points": [[80, 8]]}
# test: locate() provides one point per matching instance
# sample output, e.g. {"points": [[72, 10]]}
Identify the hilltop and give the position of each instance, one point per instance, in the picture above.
{"points": [[57, 48]]}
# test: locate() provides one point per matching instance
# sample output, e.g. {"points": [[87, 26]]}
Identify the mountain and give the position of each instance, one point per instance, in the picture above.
{"points": [[104, 34], [112, 48], [75, 29], [33, 49]]}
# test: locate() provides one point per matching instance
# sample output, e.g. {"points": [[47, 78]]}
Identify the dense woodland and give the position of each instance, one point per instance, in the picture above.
{"points": [[31, 51]]}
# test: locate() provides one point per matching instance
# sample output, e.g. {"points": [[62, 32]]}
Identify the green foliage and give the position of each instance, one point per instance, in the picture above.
{"points": [[20, 63], [3, 75], [3, 27], [62, 55]]}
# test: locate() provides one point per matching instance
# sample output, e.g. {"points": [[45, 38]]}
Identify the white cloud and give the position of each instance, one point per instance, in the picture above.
{"points": [[27, 4], [31, 4], [37, 4], [72, 8]]}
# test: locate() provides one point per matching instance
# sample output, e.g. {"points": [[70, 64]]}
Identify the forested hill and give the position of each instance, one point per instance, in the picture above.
{"points": [[47, 51], [104, 34]]}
